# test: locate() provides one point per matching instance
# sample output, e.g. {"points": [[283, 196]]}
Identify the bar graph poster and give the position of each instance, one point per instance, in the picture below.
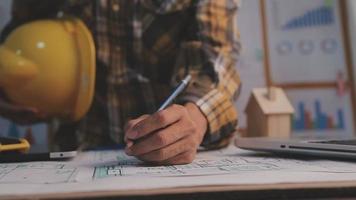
{"points": [[305, 50], [305, 40], [321, 112]]}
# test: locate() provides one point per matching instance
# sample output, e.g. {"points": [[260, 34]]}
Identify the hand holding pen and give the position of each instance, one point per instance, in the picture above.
{"points": [[169, 136]]}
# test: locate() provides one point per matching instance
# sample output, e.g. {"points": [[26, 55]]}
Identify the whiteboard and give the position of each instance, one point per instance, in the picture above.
{"points": [[305, 45], [321, 113], [305, 40]]}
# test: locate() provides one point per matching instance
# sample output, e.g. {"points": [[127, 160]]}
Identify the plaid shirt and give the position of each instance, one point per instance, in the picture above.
{"points": [[144, 48]]}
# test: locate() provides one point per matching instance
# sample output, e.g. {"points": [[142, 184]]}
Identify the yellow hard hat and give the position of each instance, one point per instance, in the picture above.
{"points": [[50, 65]]}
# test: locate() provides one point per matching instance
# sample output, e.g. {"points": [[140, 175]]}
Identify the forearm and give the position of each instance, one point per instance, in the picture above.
{"points": [[212, 63]]}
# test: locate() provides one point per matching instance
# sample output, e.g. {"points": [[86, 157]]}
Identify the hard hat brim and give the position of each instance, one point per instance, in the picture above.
{"points": [[86, 66]]}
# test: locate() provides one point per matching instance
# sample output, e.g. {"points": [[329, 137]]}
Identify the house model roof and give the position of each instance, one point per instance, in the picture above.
{"points": [[279, 105]]}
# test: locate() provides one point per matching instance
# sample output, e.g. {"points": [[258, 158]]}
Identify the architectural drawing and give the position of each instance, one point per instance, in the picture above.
{"points": [[36, 173], [199, 167], [222, 163]]}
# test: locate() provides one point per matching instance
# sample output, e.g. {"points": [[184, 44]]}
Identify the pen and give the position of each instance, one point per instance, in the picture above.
{"points": [[175, 93]]}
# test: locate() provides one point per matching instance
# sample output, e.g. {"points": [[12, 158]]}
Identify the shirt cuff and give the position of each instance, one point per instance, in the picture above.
{"points": [[220, 114]]}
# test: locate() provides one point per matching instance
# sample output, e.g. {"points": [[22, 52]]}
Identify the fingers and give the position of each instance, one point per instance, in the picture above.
{"points": [[160, 139], [171, 152], [129, 126], [170, 136], [133, 122], [156, 121]]}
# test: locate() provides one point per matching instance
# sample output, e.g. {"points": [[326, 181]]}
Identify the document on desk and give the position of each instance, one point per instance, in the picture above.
{"points": [[223, 162], [37, 173], [115, 171]]}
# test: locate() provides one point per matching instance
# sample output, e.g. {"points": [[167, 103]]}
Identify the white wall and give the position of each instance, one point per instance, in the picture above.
{"points": [[4, 12], [352, 24]]}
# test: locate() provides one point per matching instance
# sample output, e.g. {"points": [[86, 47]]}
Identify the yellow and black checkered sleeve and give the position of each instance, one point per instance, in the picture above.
{"points": [[211, 61]]}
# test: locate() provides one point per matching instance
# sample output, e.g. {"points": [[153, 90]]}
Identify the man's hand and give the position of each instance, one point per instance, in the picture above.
{"points": [[171, 136], [19, 114]]}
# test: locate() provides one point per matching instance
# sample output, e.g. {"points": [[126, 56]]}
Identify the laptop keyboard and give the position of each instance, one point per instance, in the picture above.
{"points": [[341, 142]]}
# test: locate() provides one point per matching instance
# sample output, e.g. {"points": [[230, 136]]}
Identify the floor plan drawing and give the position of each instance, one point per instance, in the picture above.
{"points": [[225, 163], [36, 173], [103, 165], [199, 167]]}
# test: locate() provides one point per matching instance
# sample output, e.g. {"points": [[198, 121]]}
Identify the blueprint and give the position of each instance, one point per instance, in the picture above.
{"points": [[220, 162], [103, 171], [100, 165], [198, 167], [37, 173]]}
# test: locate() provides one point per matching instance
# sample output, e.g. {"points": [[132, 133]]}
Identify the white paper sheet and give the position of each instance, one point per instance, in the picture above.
{"points": [[37, 173], [114, 171], [223, 162]]}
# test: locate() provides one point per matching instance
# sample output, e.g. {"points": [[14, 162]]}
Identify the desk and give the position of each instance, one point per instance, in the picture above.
{"points": [[297, 182], [339, 190]]}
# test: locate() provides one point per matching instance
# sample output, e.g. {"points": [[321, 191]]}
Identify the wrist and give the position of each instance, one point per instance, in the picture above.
{"points": [[198, 117]]}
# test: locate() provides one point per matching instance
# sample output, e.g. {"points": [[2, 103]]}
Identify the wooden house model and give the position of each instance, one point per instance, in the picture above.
{"points": [[268, 113]]}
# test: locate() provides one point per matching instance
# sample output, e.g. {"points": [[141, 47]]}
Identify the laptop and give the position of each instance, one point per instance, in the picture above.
{"points": [[335, 148]]}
